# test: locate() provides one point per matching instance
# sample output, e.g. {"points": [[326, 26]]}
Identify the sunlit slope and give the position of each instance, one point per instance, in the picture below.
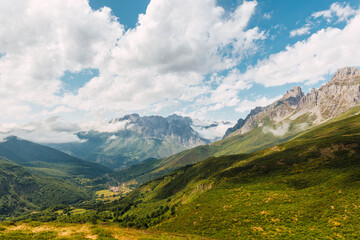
{"points": [[34, 230], [252, 141], [308, 187]]}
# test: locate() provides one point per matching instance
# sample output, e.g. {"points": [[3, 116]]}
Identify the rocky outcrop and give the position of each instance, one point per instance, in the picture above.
{"points": [[341, 93], [240, 123], [174, 126], [346, 73], [132, 138]]}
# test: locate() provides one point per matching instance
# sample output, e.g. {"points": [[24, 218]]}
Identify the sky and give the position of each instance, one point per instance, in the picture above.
{"points": [[72, 65]]}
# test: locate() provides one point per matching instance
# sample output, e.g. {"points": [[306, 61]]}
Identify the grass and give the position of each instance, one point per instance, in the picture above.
{"points": [[107, 195], [46, 231], [252, 141], [306, 188]]}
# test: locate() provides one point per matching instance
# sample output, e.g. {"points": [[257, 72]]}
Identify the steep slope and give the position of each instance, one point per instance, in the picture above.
{"points": [[267, 126], [303, 189], [132, 139], [48, 161], [340, 94], [21, 191], [275, 112], [55, 231]]}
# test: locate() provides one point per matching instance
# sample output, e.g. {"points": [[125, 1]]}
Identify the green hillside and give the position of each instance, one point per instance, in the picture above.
{"points": [[306, 188], [138, 139], [48, 161], [21, 191], [252, 141]]}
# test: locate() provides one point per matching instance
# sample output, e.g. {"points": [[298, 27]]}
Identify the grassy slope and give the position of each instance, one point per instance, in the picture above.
{"points": [[128, 148], [21, 190], [252, 141], [249, 142], [29, 231], [48, 161], [306, 188]]}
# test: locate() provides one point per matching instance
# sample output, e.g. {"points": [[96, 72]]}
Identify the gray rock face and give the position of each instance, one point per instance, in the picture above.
{"points": [[341, 93], [346, 73], [173, 126], [293, 96], [240, 123], [134, 138]]}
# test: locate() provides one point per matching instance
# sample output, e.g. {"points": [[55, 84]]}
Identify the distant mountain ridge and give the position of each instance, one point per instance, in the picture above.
{"points": [[173, 126], [48, 161], [133, 138], [337, 96], [267, 126]]}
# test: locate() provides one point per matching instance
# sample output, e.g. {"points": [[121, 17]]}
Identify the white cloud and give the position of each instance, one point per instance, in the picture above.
{"points": [[51, 130], [277, 131], [211, 130], [168, 54], [246, 105], [310, 60], [43, 39], [342, 11], [113, 137], [267, 16], [164, 59], [105, 126], [300, 31]]}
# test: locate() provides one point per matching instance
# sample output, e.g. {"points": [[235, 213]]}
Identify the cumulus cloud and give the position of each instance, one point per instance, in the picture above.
{"points": [[211, 130], [105, 126], [300, 31], [113, 137], [310, 60], [41, 40], [342, 11], [164, 59], [51, 130], [168, 54]]}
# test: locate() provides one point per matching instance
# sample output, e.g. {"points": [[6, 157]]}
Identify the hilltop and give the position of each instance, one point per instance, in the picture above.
{"points": [[267, 126]]}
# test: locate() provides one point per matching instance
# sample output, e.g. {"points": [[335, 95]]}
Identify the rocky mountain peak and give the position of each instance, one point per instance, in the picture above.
{"points": [[329, 101], [130, 117], [346, 72], [175, 117], [293, 96]]}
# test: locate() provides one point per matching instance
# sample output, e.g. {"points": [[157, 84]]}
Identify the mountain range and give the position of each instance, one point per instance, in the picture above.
{"points": [[305, 188], [341, 93], [265, 126], [48, 161], [132, 139], [288, 169]]}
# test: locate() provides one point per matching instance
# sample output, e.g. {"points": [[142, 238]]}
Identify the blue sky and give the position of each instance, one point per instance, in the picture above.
{"points": [[78, 63], [276, 17]]}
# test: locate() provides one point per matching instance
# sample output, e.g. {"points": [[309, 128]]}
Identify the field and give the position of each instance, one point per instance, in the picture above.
{"points": [[45, 231], [306, 188], [107, 195]]}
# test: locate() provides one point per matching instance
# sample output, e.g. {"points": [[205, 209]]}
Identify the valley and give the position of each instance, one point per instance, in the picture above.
{"points": [[303, 183], [305, 187], [179, 119]]}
